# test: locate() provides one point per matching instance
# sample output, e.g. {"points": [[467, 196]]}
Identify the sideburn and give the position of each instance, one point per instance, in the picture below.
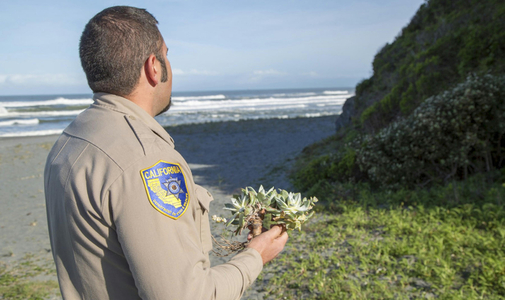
{"points": [[164, 72]]}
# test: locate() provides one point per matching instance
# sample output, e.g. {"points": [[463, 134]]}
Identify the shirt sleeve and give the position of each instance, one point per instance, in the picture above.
{"points": [[168, 257]]}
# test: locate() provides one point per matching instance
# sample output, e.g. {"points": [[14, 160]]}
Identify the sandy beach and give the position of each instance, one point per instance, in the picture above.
{"points": [[223, 157]]}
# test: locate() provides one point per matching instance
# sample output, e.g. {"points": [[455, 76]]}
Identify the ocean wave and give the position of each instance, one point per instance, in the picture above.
{"points": [[45, 119], [245, 104], [294, 94], [335, 92], [57, 101], [313, 115], [215, 97], [212, 118], [20, 122], [49, 113], [32, 133]]}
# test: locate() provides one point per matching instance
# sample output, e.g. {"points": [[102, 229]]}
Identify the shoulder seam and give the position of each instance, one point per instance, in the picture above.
{"points": [[136, 134], [73, 164], [96, 146]]}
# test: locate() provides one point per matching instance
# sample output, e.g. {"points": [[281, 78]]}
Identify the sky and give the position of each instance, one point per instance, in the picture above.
{"points": [[213, 45]]}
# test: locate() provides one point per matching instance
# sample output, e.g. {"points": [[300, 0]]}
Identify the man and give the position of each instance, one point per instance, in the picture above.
{"points": [[126, 220]]}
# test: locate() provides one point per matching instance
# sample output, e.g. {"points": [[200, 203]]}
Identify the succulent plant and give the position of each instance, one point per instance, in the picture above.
{"points": [[250, 207], [293, 209]]}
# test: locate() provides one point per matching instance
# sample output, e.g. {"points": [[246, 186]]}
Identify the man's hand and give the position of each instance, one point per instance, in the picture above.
{"points": [[270, 243]]}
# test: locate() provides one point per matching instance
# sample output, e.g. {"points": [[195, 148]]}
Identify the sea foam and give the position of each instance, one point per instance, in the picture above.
{"points": [[3, 111], [57, 101], [31, 133], [20, 122], [335, 92], [272, 103], [57, 113], [180, 98]]}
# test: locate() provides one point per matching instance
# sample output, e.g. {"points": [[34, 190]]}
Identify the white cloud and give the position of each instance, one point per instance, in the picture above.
{"points": [[310, 74], [269, 72], [41, 79], [258, 75], [194, 72]]}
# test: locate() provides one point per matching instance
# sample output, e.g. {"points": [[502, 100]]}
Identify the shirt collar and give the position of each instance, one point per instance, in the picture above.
{"points": [[131, 109]]}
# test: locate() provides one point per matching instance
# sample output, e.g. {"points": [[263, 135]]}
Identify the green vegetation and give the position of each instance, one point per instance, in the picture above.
{"points": [[400, 250], [444, 42], [25, 280], [412, 192], [451, 135]]}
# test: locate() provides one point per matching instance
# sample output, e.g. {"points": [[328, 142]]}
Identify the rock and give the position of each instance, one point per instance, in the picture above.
{"points": [[420, 283], [348, 110]]}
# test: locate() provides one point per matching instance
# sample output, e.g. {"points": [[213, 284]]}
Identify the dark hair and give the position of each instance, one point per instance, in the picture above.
{"points": [[115, 45]]}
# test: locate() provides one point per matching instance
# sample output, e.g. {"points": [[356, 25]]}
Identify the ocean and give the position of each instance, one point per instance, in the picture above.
{"points": [[49, 114]]}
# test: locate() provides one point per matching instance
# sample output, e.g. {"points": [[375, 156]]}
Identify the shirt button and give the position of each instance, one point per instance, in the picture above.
{"points": [[132, 117]]}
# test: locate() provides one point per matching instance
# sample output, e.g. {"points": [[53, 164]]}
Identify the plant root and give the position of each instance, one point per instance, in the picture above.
{"points": [[227, 247]]}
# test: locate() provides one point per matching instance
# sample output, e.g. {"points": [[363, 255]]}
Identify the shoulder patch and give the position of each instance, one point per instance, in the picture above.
{"points": [[166, 188]]}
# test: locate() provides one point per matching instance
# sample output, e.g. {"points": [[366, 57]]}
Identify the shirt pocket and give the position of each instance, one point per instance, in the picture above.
{"points": [[204, 199]]}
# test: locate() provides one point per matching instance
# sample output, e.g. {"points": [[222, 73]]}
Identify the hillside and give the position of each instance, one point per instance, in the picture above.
{"points": [[444, 42]]}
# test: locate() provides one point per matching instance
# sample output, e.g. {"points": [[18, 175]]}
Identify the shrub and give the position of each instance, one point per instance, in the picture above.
{"points": [[448, 136], [312, 173], [362, 85]]}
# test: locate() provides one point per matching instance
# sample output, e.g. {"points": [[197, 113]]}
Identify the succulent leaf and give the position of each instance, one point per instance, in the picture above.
{"points": [[282, 207]]}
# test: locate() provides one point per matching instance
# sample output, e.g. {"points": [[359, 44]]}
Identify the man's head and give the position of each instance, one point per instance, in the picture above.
{"points": [[114, 47]]}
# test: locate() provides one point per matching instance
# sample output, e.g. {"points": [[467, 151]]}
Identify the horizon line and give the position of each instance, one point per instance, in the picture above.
{"points": [[194, 91]]}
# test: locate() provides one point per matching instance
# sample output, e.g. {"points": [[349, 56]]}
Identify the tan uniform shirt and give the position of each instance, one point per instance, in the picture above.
{"points": [[126, 220]]}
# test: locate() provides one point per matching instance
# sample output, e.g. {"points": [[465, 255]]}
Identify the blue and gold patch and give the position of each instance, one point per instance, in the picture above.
{"points": [[166, 188]]}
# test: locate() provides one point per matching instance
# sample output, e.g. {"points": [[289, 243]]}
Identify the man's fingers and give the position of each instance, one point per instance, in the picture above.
{"points": [[274, 232], [283, 238], [269, 243], [250, 236]]}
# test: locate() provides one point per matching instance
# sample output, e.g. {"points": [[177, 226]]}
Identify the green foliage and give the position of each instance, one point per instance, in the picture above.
{"points": [[284, 208], [483, 45], [444, 42], [402, 251], [363, 85], [370, 111], [315, 172], [345, 166], [448, 136]]}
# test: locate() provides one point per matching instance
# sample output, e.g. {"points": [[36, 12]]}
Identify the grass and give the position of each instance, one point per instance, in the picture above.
{"points": [[396, 251], [25, 280]]}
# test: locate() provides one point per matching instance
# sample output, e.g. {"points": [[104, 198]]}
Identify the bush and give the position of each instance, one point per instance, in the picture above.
{"points": [[312, 173], [448, 136]]}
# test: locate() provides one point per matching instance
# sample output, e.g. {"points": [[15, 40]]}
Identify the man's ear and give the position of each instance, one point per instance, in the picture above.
{"points": [[152, 72]]}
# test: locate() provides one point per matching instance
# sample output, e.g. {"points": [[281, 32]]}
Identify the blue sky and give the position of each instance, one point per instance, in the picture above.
{"points": [[214, 45]]}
